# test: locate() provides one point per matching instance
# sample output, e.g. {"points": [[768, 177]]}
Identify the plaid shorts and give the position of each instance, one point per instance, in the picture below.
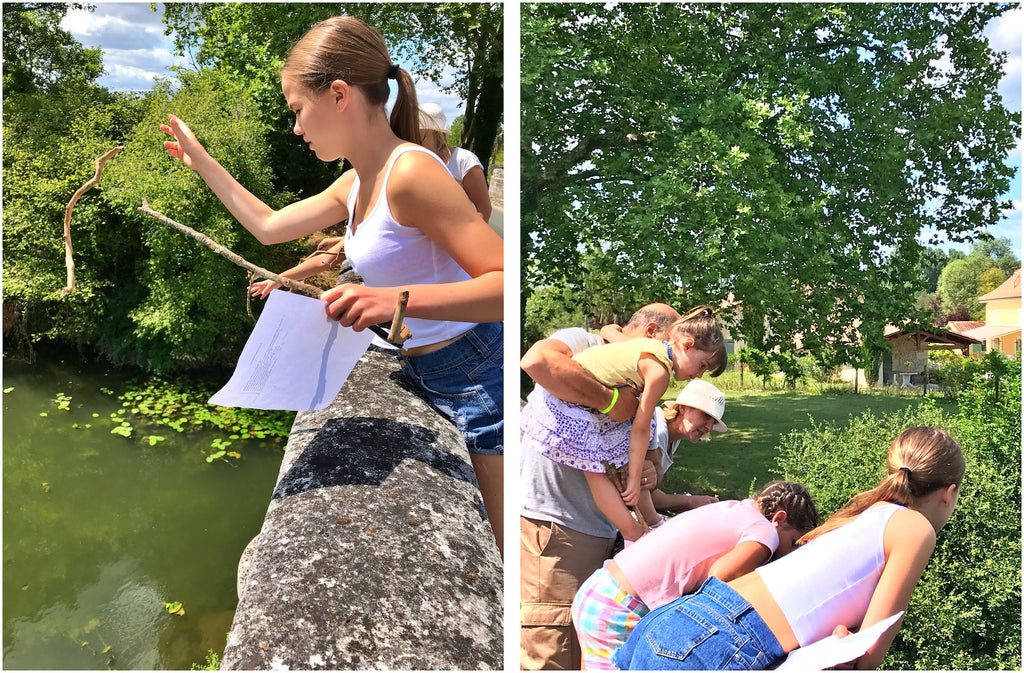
{"points": [[604, 614]]}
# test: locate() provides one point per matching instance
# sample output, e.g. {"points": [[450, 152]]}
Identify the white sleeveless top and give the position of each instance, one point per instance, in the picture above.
{"points": [[830, 580], [388, 254]]}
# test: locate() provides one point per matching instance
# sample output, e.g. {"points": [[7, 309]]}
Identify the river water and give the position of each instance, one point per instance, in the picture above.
{"points": [[101, 531]]}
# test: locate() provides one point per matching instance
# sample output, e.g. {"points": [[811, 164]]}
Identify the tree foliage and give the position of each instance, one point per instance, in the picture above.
{"points": [[965, 611], [145, 295], [959, 283], [787, 153], [1000, 250], [39, 55]]}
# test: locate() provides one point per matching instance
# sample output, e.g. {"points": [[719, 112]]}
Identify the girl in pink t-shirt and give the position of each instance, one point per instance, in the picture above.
{"points": [[726, 540]]}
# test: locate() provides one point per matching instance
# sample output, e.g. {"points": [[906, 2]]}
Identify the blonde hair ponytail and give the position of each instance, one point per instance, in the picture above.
{"points": [[405, 116], [345, 48], [921, 460]]}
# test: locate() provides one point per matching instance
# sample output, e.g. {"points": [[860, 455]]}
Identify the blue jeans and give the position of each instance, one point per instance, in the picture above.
{"points": [[465, 381], [712, 629]]}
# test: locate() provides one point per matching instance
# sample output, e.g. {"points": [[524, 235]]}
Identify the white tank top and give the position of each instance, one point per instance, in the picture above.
{"points": [[388, 254], [830, 580]]}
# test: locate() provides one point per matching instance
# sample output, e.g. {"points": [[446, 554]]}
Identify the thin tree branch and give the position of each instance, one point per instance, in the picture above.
{"points": [[69, 261], [399, 332]]}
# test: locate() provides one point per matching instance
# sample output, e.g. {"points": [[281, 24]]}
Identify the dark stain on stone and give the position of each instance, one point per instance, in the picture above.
{"points": [[363, 451]]}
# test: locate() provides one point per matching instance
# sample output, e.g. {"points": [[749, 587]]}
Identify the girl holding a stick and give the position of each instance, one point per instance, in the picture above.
{"points": [[409, 227]]}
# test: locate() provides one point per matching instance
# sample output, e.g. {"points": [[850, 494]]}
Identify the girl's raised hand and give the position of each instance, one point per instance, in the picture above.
{"points": [[358, 306], [184, 147]]}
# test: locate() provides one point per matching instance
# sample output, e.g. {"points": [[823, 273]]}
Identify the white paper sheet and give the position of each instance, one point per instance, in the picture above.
{"points": [[832, 651], [296, 358]]}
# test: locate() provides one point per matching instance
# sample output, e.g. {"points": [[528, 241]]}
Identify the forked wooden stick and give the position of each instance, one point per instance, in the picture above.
{"points": [[399, 332], [69, 261], [613, 474]]}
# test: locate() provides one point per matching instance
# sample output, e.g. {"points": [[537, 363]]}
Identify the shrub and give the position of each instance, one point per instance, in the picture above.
{"points": [[965, 612]]}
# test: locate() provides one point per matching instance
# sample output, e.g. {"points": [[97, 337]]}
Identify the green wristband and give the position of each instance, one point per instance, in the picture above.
{"points": [[615, 398]]}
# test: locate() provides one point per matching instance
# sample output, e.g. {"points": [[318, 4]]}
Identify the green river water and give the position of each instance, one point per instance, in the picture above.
{"points": [[101, 531]]}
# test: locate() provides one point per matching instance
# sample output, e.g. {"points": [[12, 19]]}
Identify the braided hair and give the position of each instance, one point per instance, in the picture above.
{"points": [[791, 498]]}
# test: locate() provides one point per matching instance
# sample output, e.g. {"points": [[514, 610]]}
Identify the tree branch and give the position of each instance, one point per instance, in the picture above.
{"points": [[69, 261], [399, 332]]}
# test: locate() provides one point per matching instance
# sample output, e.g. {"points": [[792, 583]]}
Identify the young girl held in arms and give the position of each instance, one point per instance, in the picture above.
{"points": [[857, 569], [724, 539], [409, 227], [584, 439]]}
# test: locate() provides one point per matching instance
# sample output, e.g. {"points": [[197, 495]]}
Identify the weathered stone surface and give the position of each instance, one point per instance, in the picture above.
{"points": [[496, 190], [375, 552]]}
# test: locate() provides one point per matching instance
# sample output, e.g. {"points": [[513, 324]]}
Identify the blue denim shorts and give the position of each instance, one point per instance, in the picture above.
{"points": [[465, 381], [713, 629]]}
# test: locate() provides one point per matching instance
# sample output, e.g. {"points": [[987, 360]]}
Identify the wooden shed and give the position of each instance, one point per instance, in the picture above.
{"points": [[907, 363]]}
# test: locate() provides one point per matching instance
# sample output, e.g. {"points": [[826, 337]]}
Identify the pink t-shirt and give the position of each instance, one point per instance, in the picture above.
{"points": [[675, 558]]}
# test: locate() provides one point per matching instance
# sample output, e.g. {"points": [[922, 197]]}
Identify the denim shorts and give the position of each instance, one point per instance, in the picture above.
{"points": [[713, 629], [465, 381]]}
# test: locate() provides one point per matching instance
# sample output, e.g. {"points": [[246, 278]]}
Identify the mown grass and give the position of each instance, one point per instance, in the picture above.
{"points": [[729, 463]]}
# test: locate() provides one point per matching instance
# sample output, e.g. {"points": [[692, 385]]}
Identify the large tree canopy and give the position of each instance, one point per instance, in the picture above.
{"points": [[435, 41], [788, 153]]}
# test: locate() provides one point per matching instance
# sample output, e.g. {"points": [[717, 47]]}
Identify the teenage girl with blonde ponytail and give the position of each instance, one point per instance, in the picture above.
{"points": [[409, 227], [855, 570]]}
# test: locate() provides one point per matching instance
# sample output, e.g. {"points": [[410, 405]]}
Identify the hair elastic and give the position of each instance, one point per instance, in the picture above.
{"points": [[615, 398], [393, 72], [907, 470]]}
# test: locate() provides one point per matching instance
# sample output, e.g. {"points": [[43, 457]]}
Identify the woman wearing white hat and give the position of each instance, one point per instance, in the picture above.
{"points": [[462, 164], [696, 411]]}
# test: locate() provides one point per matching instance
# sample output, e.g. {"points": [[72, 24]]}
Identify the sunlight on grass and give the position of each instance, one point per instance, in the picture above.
{"points": [[734, 462]]}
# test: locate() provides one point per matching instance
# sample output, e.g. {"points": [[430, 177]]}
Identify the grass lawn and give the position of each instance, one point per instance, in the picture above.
{"points": [[727, 464]]}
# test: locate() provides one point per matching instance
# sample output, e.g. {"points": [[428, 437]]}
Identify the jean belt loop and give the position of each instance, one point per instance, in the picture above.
{"points": [[473, 337]]}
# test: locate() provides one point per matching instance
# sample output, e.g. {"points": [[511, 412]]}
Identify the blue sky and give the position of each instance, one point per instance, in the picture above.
{"points": [[135, 49]]}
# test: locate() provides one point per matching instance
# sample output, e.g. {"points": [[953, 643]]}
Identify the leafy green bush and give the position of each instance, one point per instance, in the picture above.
{"points": [[965, 612], [145, 295], [952, 372], [49, 146]]}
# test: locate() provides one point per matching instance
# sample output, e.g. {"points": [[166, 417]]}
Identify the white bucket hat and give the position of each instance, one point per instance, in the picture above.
{"points": [[702, 395], [432, 118]]}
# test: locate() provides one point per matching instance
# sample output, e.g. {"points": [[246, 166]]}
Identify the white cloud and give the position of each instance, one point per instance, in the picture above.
{"points": [[1004, 34], [131, 35]]}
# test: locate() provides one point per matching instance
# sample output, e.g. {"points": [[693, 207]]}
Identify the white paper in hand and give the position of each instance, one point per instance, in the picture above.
{"points": [[296, 358], [833, 651]]}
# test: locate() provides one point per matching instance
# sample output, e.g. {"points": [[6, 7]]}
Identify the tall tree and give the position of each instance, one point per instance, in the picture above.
{"points": [[1000, 250], [39, 54], [783, 152], [960, 282], [933, 260]]}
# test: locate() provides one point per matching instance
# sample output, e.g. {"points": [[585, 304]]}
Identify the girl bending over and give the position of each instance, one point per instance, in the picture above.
{"points": [[725, 540], [858, 568]]}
